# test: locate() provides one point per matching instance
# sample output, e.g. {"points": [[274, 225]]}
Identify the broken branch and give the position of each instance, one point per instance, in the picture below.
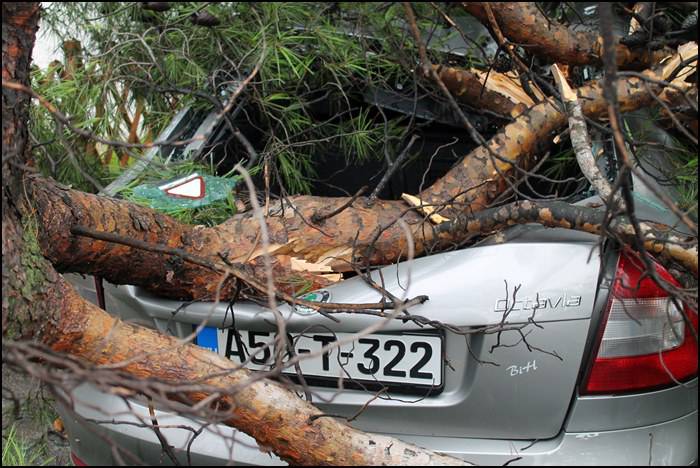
{"points": [[580, 218], [581, 141]]}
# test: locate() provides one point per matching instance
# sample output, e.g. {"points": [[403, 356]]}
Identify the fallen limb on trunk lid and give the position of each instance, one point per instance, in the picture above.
{"points": [[657, 238], [356, 234]]}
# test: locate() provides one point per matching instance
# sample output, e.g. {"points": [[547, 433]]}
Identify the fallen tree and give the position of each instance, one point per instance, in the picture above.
{"points": [[361, 233], [47, 227]]}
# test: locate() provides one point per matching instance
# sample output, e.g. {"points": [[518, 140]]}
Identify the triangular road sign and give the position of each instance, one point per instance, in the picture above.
{"points": [[192, 187]]}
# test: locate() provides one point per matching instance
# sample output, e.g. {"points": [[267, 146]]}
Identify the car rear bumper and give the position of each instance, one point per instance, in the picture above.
{"points": [[672, 442]]}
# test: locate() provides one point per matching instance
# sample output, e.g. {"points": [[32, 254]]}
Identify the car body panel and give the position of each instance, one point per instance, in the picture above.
{"points": [[531, 381], [669, 442], [608, 413]]}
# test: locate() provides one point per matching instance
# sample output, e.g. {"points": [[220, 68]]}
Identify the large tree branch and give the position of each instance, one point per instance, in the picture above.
{"points": [[494, 91], [523, 23], [266, 410], [657, 239], [532, 132]]}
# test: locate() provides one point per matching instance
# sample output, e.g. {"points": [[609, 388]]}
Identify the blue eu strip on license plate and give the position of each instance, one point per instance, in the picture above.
{"points": [[207, 339]]}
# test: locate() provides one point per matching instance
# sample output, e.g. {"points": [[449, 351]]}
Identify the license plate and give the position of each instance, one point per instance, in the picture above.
{"points": [[407, 359]]}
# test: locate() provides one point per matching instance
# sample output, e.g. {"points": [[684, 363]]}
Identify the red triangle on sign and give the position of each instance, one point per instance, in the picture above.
{"points": [[191, 187]]}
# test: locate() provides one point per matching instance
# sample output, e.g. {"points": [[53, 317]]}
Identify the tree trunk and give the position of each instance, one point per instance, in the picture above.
{"points": [[27, 278]]}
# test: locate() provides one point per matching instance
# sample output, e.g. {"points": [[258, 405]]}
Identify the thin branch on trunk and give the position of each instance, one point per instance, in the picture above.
{"points": [[656, 238]]}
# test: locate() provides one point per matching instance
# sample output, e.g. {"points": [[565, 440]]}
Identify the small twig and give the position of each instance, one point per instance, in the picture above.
{"points": [[317, 218], [248, 147], [390, 172], [167, 448], [367, 403]]}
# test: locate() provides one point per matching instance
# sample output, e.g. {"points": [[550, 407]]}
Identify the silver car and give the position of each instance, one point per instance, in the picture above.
{"points": [[593, 369]]}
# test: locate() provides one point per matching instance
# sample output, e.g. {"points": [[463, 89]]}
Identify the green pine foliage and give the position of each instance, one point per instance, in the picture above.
{"points": [[310, 54], [305, 103]]}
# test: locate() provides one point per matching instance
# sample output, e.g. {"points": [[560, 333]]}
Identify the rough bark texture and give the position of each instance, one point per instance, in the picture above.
{"points": [[524, 24], [658, 239], [468, 87], [329, 243], [26, 275], [272, 414]]}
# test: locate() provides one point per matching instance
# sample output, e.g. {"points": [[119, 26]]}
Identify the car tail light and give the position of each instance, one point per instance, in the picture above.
{"points": [[77, 461], [644, 341]]}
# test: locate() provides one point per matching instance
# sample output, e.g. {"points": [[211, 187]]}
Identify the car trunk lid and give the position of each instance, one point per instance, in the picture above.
{"points": [[514, 384]]}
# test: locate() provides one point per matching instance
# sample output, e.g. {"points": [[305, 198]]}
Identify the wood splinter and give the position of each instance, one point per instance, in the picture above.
{"points": [[425, 209]]}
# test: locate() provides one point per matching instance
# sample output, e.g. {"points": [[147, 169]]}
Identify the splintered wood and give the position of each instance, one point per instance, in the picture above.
{"points": [[425, 209], [497, 92], [322, 269], [508, 84]]}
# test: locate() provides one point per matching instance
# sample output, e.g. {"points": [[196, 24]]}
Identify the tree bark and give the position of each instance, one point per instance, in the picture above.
{"points": [[26, 276], [524, 24], [499, 93]]}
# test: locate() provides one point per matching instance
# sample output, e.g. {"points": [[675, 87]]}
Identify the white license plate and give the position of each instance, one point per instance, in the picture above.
{"points": [[414, 360]]}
